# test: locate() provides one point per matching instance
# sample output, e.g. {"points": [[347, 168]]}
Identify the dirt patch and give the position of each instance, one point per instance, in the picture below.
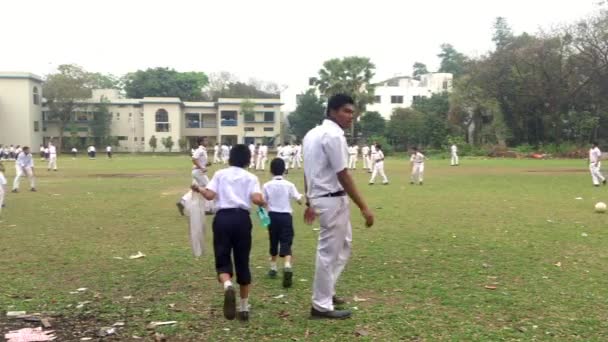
{"points": [[557, 171]]}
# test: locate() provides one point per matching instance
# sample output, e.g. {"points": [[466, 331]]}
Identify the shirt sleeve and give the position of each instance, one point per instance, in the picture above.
{"points": [[255, 186], [380, 155], [213, 185], [337, 152], [295, 194]]}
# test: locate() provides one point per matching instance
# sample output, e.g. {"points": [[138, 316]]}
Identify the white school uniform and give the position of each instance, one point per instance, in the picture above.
{"points": [[365, 157], [52, 157], [234, 187], [595, 156], [278, 194], [252, 159], [225, 154], [24, 166], [2, 189], [285, 154], [262, 157], [296, 159], [454, 152], [326, 154], [216, 154], [378, 168], [352, 160], [417, 160]]}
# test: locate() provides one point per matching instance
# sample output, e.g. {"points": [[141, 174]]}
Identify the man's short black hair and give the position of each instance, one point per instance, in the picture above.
{"points": [[337, 101], [594, 143], [277, 167], [239, 156], [201, 139], [379, 147]]}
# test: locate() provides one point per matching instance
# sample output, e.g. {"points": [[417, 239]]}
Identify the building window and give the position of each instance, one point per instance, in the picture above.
{"points": [[45, 116], [268, 129], [43, 127], [229, 117], [36, 97], [312, 81], [377, 99], [397, 99], [162, 120], [141, 114], [134, 138], [193, 120], [416, 98], [122, 138], [249, 129], [445, 85], [117, 116], [269, 116], [130, 114], [393, 83], [36, 126]]}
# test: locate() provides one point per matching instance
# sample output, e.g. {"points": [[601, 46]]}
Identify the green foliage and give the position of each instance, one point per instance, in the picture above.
{"points": [[100, 125], [74, 141], [103, 81], [165, 82], [309, 113], [406, 128], [153, 143], [372, 124], [238, 89], [452, 61], [167, 142], [419, 69], [248, 110], [387, 148], [90, 141], [182, 143]]}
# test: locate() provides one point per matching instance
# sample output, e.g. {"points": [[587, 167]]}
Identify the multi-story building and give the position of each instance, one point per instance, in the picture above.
{"points": [[396, 92], [24, 121]]}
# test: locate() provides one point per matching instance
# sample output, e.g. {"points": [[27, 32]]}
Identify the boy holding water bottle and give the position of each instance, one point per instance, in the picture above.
{"points": [[235, 190], [278, 193]]}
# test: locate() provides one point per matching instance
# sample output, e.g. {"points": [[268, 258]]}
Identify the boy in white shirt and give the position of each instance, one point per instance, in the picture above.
{"points": [[297, 157], [365, 157], [278, 192], [417, 163], [74, 152], [454, 151], [378, 166], [52, 157], [234, 189], [262, 157], [595, 155], [252, 151], [109, 151], [216, 153], [24, 166], [2, 187]]}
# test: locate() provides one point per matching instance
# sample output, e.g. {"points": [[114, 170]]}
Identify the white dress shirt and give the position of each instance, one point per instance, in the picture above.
{"points": [[454, 149], [200, 154], [278, 192], [234, 187], [52, 149], [595, 155], [325, 154], [25, 160], [417, 158], [364, 151]]}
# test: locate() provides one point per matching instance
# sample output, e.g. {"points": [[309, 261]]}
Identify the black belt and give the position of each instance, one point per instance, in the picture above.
{"points": [[233, 211], [335, 194]]}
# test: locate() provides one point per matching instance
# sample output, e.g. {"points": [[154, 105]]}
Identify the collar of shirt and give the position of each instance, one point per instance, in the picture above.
{"points": [[333, 125]]}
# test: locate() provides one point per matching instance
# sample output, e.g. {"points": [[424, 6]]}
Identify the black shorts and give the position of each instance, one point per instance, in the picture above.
{"points": [[281, 233], [232, 237]]}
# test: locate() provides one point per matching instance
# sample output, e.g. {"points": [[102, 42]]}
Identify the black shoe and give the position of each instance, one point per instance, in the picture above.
{"points": [[33, 189], [180, 208], [385, 183], [287, 277], [371, 183], [55, 170], [421, 183], [15, 191], [338, 301], [243, 316], [229, 303], [411, 183], [336, 314], [604, 182], [272, 274]]}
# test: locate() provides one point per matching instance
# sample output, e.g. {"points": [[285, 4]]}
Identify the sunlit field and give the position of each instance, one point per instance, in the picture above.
{"points": [[491, 250]]}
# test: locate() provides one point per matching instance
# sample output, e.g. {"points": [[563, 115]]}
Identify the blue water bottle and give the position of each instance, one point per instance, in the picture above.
{"points": [[264, 218]]}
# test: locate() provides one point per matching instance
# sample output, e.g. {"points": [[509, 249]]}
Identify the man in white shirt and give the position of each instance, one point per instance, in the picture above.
{"points": [[417, 163], [216, 153], [92, 151], [24, 166], [225, 153], [353, 151], [285, 154], [327, 181], [109, 151], [454, 151], [595, 156], [52, 157], [262, 157], [252, 151], [365, 157], [200, 162], [372, 156], [297, 157], [74, 152], [378, 166]]}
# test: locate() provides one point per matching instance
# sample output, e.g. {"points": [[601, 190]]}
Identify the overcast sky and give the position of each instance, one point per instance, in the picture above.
{"points": [[283, 41]]}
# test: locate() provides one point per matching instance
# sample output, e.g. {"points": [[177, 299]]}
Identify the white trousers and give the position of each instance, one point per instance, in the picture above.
{"points": [[352, 161], [216, 157], [596, 175], [52, 162], [225, 159], [296, 160], [333, 249], [367, 163], [378, 170], [287, 160], [417, 173], [20, 173], [252, 161], [261, 163], [455, 160]]}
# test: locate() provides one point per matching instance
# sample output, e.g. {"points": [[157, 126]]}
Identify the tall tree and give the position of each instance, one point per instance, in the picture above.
{"points": [[406, 127], [165, 82], [502, 33], [419, 69], [372, 124], [452, 61], [309, 112], [64, 92], [350, 75], [103, 81], [100, 125]]}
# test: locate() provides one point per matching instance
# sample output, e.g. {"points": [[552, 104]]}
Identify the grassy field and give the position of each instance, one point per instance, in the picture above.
{"points": [[423, 269]]}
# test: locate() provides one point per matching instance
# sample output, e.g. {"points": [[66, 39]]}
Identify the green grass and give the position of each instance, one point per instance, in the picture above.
{"points": [[422, 267]]}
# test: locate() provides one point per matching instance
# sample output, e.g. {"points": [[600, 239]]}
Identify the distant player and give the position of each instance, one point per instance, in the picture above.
{"points": [[216, 153], [225, 153], [74, 152], [365, 157], [378, 166], [297, 157], [262, 157], [454, 152], [595, 156], [417, 162], [24, 166], [109, 151], [252, 152], [2, 187], [92, 151], [278, 193], [42, 154], [52, 157]]}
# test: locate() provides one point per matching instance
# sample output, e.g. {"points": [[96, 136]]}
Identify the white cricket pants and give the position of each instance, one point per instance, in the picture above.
{"points": [[261, 164], [216, 157], [52, 162], [418, 173], [225, 159], [252, 161], [287, 161], [296, 160], [378, 169], [333, 249], [596, 175], [352, 161], [24, 171], [455, 160], [367, 163]]}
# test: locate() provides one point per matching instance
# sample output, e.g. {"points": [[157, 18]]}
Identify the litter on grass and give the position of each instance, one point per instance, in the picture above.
{"points": [[137, 256]]}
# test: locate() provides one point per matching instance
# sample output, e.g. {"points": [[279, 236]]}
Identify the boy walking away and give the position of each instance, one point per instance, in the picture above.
{"points": [[595, 155], [2, 187], [365, 157], [297, 156], [378, 166], [417, 163], [234, 189], [24, 166], [278, 192], [454, 150], [109, 151], [52, 157], [74, 152]]}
